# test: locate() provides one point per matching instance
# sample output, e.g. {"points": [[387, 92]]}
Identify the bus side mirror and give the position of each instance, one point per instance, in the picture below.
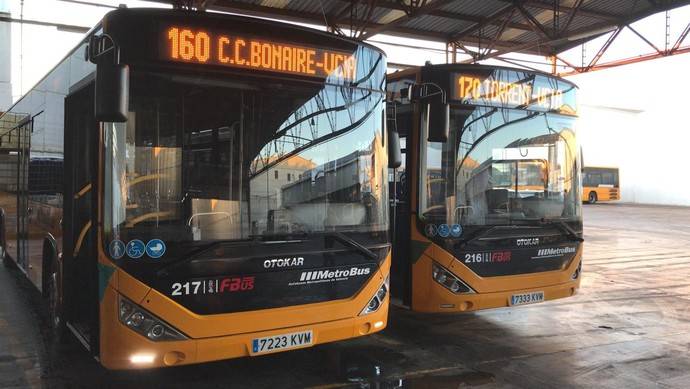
{"points": [[438, 122], [112, 92], [394, 153]]}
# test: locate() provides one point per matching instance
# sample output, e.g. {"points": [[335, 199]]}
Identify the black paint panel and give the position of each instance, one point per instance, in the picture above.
{"points": [[509, 261], [268, 289], [514, 250], [202, 267]]}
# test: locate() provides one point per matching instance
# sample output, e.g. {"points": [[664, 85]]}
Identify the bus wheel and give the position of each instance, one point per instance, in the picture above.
{"points": [[55, 313], [5, 259], [592, 197]]}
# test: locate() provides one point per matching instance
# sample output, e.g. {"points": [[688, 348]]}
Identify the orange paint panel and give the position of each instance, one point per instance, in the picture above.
{"points": [[225, 336], [429, 296]]}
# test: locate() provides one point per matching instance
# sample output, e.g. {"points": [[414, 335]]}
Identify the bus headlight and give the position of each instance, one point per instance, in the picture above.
{"points": [[448, 280], [378, 298], [145, 323], [577, 272]]}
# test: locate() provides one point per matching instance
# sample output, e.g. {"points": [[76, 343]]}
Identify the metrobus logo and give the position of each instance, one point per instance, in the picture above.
{"points": [[554, 252], [318, 275]]}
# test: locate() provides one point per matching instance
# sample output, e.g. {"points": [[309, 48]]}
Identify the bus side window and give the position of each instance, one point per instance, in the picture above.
{"points": [[595, 179]]}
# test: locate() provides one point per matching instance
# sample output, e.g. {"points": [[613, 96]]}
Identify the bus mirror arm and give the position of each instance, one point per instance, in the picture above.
{"points": [[437, 110]]}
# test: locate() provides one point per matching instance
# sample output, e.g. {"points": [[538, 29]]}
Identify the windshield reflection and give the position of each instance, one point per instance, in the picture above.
{"points": [[202, 159], [502, 167]]}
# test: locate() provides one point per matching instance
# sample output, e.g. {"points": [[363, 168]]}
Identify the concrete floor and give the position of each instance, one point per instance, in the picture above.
{"points": [[628, 327]]}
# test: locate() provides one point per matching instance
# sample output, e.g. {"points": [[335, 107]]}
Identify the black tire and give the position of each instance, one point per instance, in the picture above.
{"points": [[592, 198], [6, 261], [3, 245], [52, 292]]}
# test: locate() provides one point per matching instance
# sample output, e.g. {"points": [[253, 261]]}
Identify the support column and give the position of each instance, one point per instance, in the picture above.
{"points": [[5, 62]]}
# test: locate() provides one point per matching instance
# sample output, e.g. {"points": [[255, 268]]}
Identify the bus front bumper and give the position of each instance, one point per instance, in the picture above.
{"points": [[123, 349], [447, 302]]}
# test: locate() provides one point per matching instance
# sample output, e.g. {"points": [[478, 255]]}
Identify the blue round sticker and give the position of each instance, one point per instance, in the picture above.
{"points": [[155, 248], [443, 230], [456, 230], [135, 248], [116, 249]]}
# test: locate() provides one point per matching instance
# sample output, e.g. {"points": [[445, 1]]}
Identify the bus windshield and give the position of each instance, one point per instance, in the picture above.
{"points": [[203, 159], [501, 167]]}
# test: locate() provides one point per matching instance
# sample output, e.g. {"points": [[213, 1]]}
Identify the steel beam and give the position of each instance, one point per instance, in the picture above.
{"points": [[628, 61], [577, 69], [538, 28], [545, 5], [573, 12], [457, 16], [494, 18], [499, 33], [645, 39], [681, 38], [603, 48], [424, 8], [313, 18]]}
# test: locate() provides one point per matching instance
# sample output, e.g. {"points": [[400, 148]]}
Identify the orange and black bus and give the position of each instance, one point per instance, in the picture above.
{"points": [[487, 205], [600, 184], [181, 188]]}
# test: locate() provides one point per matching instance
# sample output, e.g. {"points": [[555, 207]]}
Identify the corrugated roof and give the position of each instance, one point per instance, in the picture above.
{"points": [[525, 26]]}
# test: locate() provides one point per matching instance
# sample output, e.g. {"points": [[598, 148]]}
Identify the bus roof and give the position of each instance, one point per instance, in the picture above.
{"points": [[160, 12]]}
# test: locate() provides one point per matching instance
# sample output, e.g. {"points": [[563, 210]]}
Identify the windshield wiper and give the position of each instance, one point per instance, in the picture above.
{"points": [[476, 236], [561, 225], [193, 255], [347, 241]]}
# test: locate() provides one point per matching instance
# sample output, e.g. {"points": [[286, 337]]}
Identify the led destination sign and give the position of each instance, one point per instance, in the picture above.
{"points": [[238, 51], [512, 89]]}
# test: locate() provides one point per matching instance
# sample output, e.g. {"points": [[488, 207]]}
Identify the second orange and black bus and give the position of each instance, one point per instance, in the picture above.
{"points": [[487, 206], [186, 187], [600, 184]]}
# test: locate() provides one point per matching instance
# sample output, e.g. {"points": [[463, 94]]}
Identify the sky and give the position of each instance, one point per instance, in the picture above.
{"points": [[621, 106]]}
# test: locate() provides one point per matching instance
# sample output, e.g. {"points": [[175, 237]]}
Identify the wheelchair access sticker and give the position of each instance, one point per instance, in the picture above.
{"points": [[135, 249], [155, 248]]}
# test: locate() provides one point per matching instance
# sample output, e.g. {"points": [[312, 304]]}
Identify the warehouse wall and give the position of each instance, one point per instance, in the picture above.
{"points": [[636, 117]]}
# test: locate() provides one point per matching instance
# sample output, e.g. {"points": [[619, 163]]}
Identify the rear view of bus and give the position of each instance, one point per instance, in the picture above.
{"points": [[488, 214], [236, 205], [600, 184]]}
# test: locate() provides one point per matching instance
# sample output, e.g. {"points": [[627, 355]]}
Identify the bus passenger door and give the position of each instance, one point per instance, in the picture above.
{"points": [[400, 227], [13, 177], [23, 206], [80, 275]]}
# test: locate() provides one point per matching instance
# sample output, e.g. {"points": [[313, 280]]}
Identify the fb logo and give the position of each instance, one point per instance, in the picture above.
{"points": [[155, 248], [135, 248]]}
